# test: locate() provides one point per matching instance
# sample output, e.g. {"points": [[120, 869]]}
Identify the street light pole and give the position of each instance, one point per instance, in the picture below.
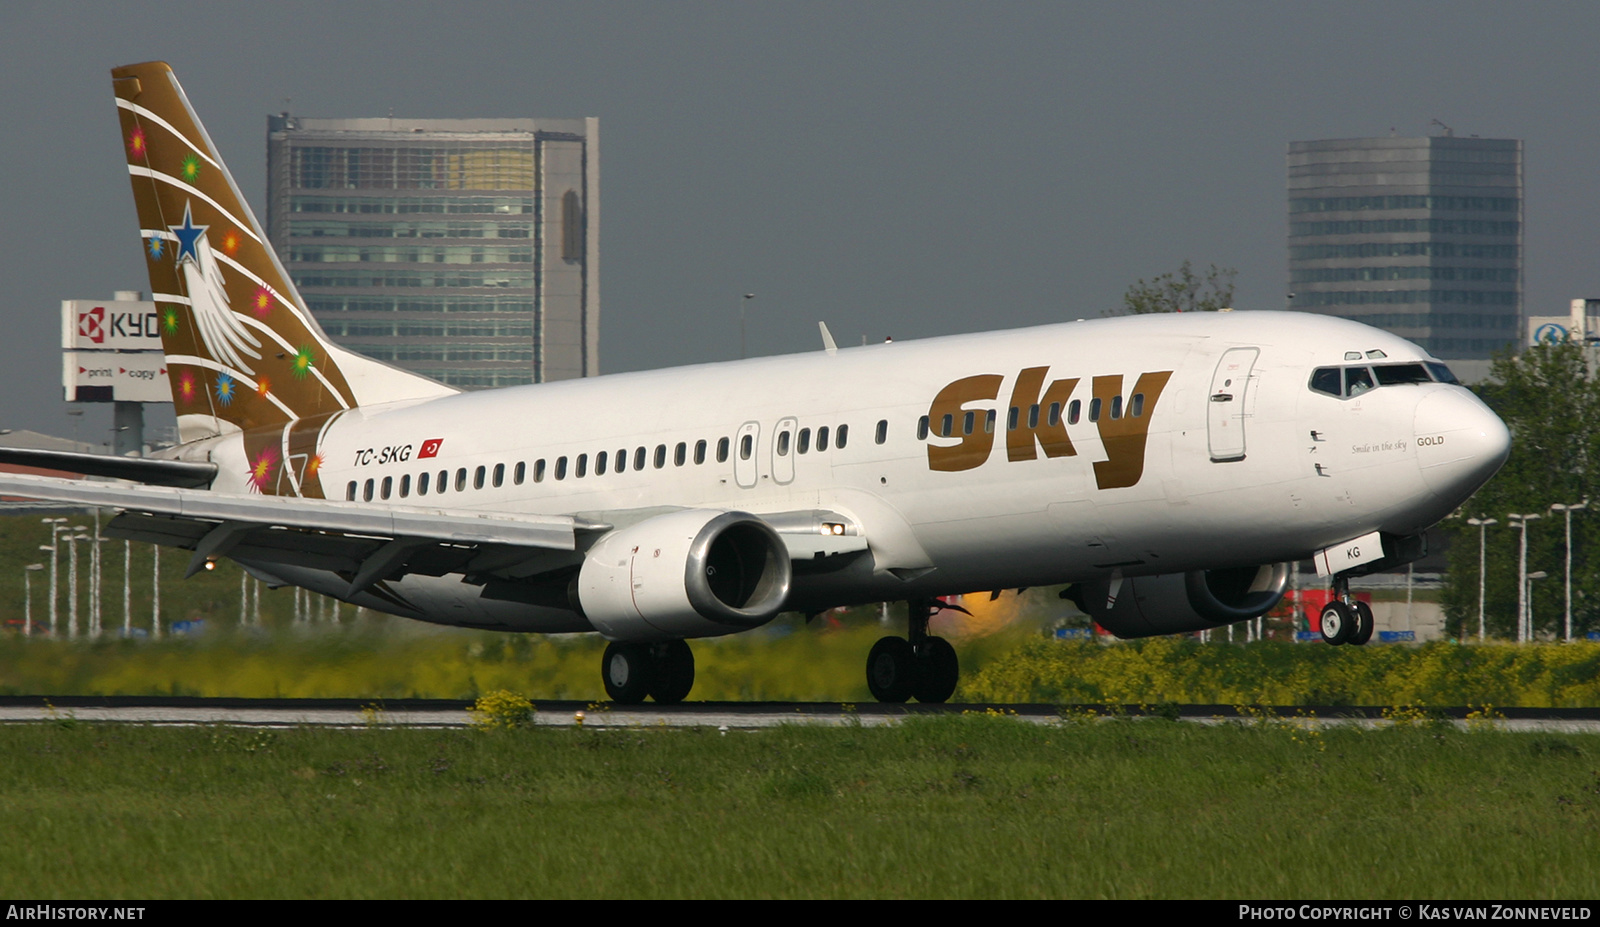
{"points": [[747, 298], [1531, 577], [1569, 509], [55, 532], [1482, 525], [27, 597], [1522, 574]]}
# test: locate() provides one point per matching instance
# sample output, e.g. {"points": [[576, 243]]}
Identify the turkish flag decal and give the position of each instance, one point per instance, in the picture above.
{"points": [[430, 448]]}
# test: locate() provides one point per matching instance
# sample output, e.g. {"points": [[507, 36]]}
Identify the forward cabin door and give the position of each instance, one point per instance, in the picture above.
{"points": [[1225, 408]]}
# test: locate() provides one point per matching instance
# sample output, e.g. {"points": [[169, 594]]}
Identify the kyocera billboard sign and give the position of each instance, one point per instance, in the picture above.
{"points": [[109, 325], [110, 377]]}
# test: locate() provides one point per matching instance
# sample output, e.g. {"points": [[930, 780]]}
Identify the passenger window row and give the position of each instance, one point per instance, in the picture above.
{"points": [[839, 437], [950, 427], [604, 461]]}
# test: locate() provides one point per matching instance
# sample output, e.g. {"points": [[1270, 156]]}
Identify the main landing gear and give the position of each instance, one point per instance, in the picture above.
{"points": [[663, 671], [1345, 620], [923, 667]]}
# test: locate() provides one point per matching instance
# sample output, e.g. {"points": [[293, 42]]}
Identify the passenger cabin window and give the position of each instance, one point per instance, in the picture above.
{"points": [[945, 427], [783, 444], [1074, 409], [700, 452], [841, 435], [722, 450], [582, 467], [538, 470], [1054, 418], [661, 456], [561, 468], [405, 485], [520, 472], [638, 458], [803, 443], [386, 487], [350, 492], [422, 485], [499, 475], [444, 481], [681, 454], [1094, 409], [883, 431], [746, 447], [822, 434], [966, 422], [622, 460], [1116, 407], [1136, 405], [600, 461], [477, 478], [1011, 419], [922, 428], [988, 422], [366, 491], [1033, 416]]}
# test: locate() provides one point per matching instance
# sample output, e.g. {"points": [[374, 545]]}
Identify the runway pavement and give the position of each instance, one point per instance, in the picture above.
{"points": [[720, 715]]}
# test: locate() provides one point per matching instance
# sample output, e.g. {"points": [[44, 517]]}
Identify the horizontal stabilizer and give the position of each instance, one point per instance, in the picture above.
{"points": [[153, 472]]}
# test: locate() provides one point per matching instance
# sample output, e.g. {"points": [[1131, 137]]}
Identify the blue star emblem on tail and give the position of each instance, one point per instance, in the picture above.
{"points": [[188, 237]]}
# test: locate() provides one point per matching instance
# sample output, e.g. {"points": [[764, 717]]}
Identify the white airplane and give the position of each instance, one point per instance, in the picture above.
{"points": [[1171, 466]]}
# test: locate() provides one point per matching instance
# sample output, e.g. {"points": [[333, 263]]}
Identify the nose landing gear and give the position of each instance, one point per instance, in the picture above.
{"points": [[923, 667], [1344, 619]]}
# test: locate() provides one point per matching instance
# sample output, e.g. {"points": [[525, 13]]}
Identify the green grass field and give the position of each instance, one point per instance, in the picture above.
{"points": [[958, 807]]}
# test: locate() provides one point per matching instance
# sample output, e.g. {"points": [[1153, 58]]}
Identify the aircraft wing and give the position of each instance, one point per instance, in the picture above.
{"points": [[368, 543]]}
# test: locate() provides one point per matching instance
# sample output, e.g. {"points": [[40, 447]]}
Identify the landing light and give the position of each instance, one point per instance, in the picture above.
{"points": [[832, 528], [211, 565]]}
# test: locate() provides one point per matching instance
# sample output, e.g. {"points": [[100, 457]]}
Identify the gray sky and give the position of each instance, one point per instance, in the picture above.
{"points": [[893, 168]]}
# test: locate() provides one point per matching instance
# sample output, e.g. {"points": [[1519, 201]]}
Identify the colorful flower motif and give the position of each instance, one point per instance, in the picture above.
{"points": [[227, 387], [263, 387], [304, 360], [313, 466], [191, 168], [169, 321], [261, 468], [156, 246], [230, 242], [262, 302], [186, 387], [137, 147]]}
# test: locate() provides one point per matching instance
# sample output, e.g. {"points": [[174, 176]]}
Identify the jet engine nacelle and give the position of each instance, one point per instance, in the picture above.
{"points": [[695, 573], [1174, 603]]}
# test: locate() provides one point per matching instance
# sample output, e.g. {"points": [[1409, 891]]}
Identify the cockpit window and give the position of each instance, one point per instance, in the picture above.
{"points": [[1400, 374], [1353, 381], [1442, 373]]}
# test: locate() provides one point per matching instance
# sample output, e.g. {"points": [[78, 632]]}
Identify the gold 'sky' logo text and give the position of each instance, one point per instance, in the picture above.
{"points": [[1038, 417]]}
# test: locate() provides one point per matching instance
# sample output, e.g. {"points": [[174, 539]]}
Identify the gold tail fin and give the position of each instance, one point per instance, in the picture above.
{"points": [[243, 354]]}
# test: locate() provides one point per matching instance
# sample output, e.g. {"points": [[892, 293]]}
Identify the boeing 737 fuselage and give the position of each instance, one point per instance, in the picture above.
{"points": [[1169, 466]]}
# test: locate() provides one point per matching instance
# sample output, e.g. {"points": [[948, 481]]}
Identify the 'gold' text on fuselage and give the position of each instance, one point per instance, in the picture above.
{"points": [[1038, 416]]}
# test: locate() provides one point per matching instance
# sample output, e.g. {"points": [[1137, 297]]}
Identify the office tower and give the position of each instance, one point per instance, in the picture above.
{"points": [[1419, 236], [462, 249]]}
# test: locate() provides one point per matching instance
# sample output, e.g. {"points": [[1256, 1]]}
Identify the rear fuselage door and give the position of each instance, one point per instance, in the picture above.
{"points": [[1225, 405], [744, 454]]}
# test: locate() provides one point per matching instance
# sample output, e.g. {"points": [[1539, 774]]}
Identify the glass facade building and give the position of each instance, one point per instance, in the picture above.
{"points": [[465, 250], [1419, 236]]}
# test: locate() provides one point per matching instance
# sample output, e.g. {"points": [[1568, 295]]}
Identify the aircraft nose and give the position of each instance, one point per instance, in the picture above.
{"points": [[1460, 442]]}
